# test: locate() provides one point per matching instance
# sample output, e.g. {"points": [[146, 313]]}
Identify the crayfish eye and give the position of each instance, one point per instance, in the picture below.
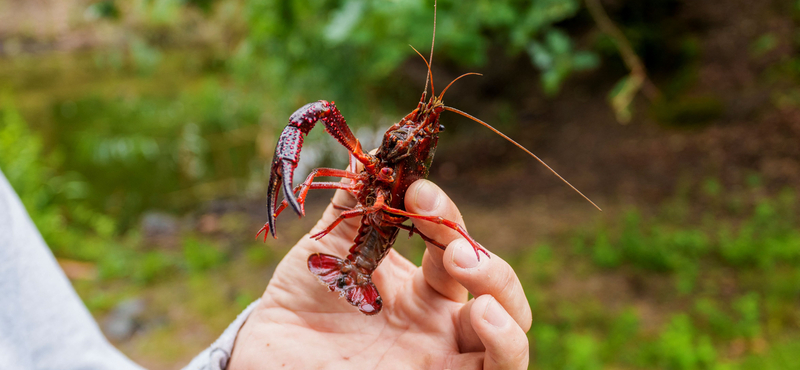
{"points": [[441, 127]]}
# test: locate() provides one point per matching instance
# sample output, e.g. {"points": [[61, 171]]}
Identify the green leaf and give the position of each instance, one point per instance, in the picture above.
{"points": [[344, 20], [585, 60]]}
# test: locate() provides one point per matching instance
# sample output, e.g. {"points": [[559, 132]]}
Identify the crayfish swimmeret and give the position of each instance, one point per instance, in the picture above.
{"points": [[404, 156]]}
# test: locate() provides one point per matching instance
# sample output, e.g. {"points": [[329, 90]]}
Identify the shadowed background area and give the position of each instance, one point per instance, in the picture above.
{"points": [[139, 133]]}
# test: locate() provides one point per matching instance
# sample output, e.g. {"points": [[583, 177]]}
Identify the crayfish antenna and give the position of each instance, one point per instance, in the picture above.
{"points": [[454, 110], [429, 72], [441, 96], [433, 41]]}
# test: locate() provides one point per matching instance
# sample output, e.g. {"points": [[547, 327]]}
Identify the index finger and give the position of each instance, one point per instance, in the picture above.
{"points": [[425, 198], [487, 276]]}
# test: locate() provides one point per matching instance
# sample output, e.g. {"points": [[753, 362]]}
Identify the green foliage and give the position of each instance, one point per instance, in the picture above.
{"points": [[166, 138], [103, 9], [739, 276], [51, 198], [582, 352], [150, 266], [748, 324], [145, 57], [258, 254], [782, 356], [20, 155], [689, 111], [556, 59], [763, 45], [714, 318], [539, 264], [346, 50], [653, 248], [681, 348], [546, 346], [620, 336], [201, 255], [764, 240], [767, 238], [604, 253]]}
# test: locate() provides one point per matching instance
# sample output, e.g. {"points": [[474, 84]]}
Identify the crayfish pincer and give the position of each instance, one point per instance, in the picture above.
{"points": [[404, 156]]}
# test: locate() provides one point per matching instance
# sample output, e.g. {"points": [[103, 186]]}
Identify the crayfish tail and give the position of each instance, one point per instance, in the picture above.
{"points": [[341, 276]]}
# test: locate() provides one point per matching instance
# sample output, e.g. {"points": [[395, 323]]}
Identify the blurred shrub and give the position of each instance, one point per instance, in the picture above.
{"points": [[139, 153], [618, 344], [680, 348], [714, 317], [747, 307], [51, 198], [104, 9], [21, 162], [739, 275], [150, 266], [200, 255], [557, 59], [766, 238], [604, 253], [306, 50], [582, 352], [546, 347], [689, 111]]}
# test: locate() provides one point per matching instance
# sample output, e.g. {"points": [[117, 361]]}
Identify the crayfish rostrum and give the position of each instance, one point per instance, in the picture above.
{"points": [[404, 156]]}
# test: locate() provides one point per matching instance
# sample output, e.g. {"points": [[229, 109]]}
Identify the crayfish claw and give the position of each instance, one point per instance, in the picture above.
{"points": [[280, 176], [288, 192]]}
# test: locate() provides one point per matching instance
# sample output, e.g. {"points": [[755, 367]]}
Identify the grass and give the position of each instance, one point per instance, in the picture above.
{"points": [[709, 281]]}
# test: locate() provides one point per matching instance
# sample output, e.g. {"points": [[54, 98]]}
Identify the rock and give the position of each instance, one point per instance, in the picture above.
{"points": [[160, 229], [124, 320], [156, 224]]}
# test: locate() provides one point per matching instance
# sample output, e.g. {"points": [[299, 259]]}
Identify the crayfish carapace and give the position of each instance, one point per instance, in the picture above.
{"points": [[404, 156]]}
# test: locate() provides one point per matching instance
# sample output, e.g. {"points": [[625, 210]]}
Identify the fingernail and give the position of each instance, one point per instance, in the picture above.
{"points": [[464, 255], [427, 197], [495, 314]]}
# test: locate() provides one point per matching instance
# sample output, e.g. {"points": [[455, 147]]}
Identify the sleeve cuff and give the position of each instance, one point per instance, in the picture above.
{"points": [[216, 356]]}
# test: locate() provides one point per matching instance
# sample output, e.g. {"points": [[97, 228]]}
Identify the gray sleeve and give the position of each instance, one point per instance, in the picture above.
{"points": [[216, 357], [43, 323]]}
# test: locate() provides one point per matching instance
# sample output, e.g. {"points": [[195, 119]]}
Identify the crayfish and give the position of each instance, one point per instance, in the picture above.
{"points": [[404, 156]]}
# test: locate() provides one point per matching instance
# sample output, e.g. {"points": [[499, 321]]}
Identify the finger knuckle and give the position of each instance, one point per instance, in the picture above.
{"points": [[517, 353]]}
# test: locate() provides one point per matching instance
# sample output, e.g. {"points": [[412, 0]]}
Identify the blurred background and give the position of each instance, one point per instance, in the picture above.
{"points": [[138, 135]]}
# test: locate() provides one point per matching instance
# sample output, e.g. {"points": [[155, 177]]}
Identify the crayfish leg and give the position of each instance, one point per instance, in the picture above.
{"points": [[413, 229], [441, 221], [299, 194]]}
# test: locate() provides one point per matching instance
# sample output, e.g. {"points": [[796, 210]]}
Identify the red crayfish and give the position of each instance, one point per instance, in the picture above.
{"points": [[404, 156]]}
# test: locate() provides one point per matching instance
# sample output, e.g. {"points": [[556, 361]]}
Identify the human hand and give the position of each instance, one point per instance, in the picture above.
{"points": [[427, 321]]}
